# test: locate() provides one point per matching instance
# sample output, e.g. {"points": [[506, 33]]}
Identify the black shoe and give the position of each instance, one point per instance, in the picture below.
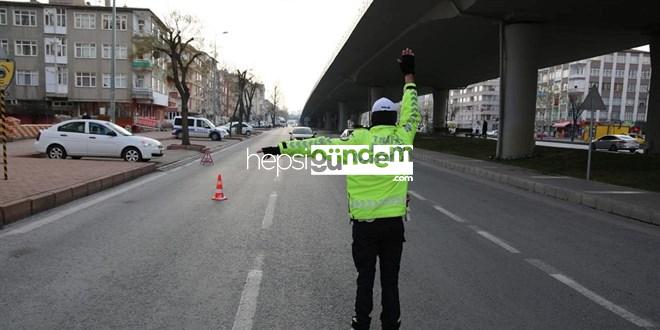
{"points": [[362, 325], [392, 326]]}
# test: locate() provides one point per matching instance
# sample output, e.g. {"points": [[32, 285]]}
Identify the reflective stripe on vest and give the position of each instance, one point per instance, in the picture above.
{"points": [[377, 203]]}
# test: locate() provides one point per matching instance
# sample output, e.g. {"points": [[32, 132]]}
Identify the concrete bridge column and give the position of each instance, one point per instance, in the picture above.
{"points": [[440, 105], [343, 116], [327, 121], [355, 118], [516, 137], [652, 129]]}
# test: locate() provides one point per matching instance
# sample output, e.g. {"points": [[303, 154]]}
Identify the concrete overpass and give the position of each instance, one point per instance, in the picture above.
{"points": [[459, 42]]}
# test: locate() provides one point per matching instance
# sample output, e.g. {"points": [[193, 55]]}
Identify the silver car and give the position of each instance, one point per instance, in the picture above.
{"points": [[616, 142]]}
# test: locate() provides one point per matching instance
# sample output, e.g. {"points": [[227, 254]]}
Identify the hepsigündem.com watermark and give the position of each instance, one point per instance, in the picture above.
{"points": [[342, 160]]}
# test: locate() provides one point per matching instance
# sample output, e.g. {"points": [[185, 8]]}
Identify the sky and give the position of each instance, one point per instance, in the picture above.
{"points": [[283, 42]]}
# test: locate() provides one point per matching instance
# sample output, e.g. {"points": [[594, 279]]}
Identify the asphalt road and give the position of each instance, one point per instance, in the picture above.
{"points": [[158, 253]]}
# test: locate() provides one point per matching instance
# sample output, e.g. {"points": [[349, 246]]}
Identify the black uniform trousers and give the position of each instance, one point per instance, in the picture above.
{"points": [[382, 238]]}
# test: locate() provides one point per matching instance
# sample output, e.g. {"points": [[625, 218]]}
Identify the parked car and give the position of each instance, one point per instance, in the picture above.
{"points": [[615, 142], [301, 133], [492, 134], [638, 137], [247, 128], [95, 138], [199, 127]]}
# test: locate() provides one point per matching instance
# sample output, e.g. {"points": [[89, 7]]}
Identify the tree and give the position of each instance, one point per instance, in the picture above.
{"points": [[176, 42], [275, 96]]}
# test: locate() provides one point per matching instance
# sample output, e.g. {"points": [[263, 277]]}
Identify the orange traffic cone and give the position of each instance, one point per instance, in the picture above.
{"points": [[219, 196]]}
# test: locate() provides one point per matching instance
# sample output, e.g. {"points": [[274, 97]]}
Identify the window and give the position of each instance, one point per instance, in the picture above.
{"points": [[646, 74], [4, 43], [630, 102], [643, 88], [27, 78], [631, 87], [642, 106], [56, 47], [616, 101], [85, 21], [607, 86], [85, 50], [595, 71], [139, 81], [121, 80], [607, 72], [121, 24], [618, 87], [26, 48], [56, 17], [140, 25], [85, 79], [62, 75], [621, 58], [98, 129], [73, 127], [3, 16], [25, 17], [632, 73], [121, 51], [619, 73]]}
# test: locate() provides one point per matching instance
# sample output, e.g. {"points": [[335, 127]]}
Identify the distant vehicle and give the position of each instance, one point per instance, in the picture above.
{"points": [[616, 142], [301, 133], [199, 127], [638, 137], [95, 138], [346, 133], [493, 133], [247, 128]]}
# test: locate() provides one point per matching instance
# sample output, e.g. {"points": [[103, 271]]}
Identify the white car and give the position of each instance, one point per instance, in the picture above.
{"points": [[346, 133], [247, 128], [301, 133], [95, 138]]}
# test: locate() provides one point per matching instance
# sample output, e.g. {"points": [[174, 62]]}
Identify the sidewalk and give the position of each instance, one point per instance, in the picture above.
{"points": [[624, 201], [37, 183]]}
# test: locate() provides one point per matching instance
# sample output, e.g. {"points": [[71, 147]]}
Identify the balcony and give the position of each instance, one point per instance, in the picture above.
{"points": [[142, 64], [141, 94], [57, 90]]}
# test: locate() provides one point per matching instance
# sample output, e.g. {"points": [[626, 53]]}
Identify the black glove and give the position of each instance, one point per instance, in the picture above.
{"points": [[271, 150], [407, 64]]}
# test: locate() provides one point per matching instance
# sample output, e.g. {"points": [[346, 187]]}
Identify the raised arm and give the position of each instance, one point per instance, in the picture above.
{"points": [[409, 117]]}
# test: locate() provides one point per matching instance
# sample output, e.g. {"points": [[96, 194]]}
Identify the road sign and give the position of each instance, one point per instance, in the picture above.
{"points": [[6, 73], [592, 102]]}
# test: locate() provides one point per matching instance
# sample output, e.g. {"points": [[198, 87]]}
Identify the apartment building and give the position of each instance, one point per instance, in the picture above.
{"points": [[63, 51], [471, 105], [622, 78]]}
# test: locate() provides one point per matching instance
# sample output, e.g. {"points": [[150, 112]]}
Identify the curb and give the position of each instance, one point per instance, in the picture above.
{"points": [[17, 210], [609, 205]]}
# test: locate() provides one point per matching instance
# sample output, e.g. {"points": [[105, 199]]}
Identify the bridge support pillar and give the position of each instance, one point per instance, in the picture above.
{"points": [[440, 104], [652, 129], [343, 116], [518, 91], [328, 121]]}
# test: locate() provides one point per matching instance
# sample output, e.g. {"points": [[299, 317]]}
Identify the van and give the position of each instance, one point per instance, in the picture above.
{"points": [[199, 127]]}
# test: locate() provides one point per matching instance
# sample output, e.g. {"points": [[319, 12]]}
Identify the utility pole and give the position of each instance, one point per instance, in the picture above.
{"points": [[113, 110]]}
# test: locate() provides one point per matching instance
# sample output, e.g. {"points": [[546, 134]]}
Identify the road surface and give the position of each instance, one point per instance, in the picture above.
{"points": [[158, 253]]}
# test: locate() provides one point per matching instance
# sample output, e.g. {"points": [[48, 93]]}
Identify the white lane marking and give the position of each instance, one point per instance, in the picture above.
{"points": [[174, 169], [616, 309], [248, 305], [543, 266], [416, 195], [61, 214], [449, 214], [615, 192], [497, 241], [612, 307], [270, 211]]}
